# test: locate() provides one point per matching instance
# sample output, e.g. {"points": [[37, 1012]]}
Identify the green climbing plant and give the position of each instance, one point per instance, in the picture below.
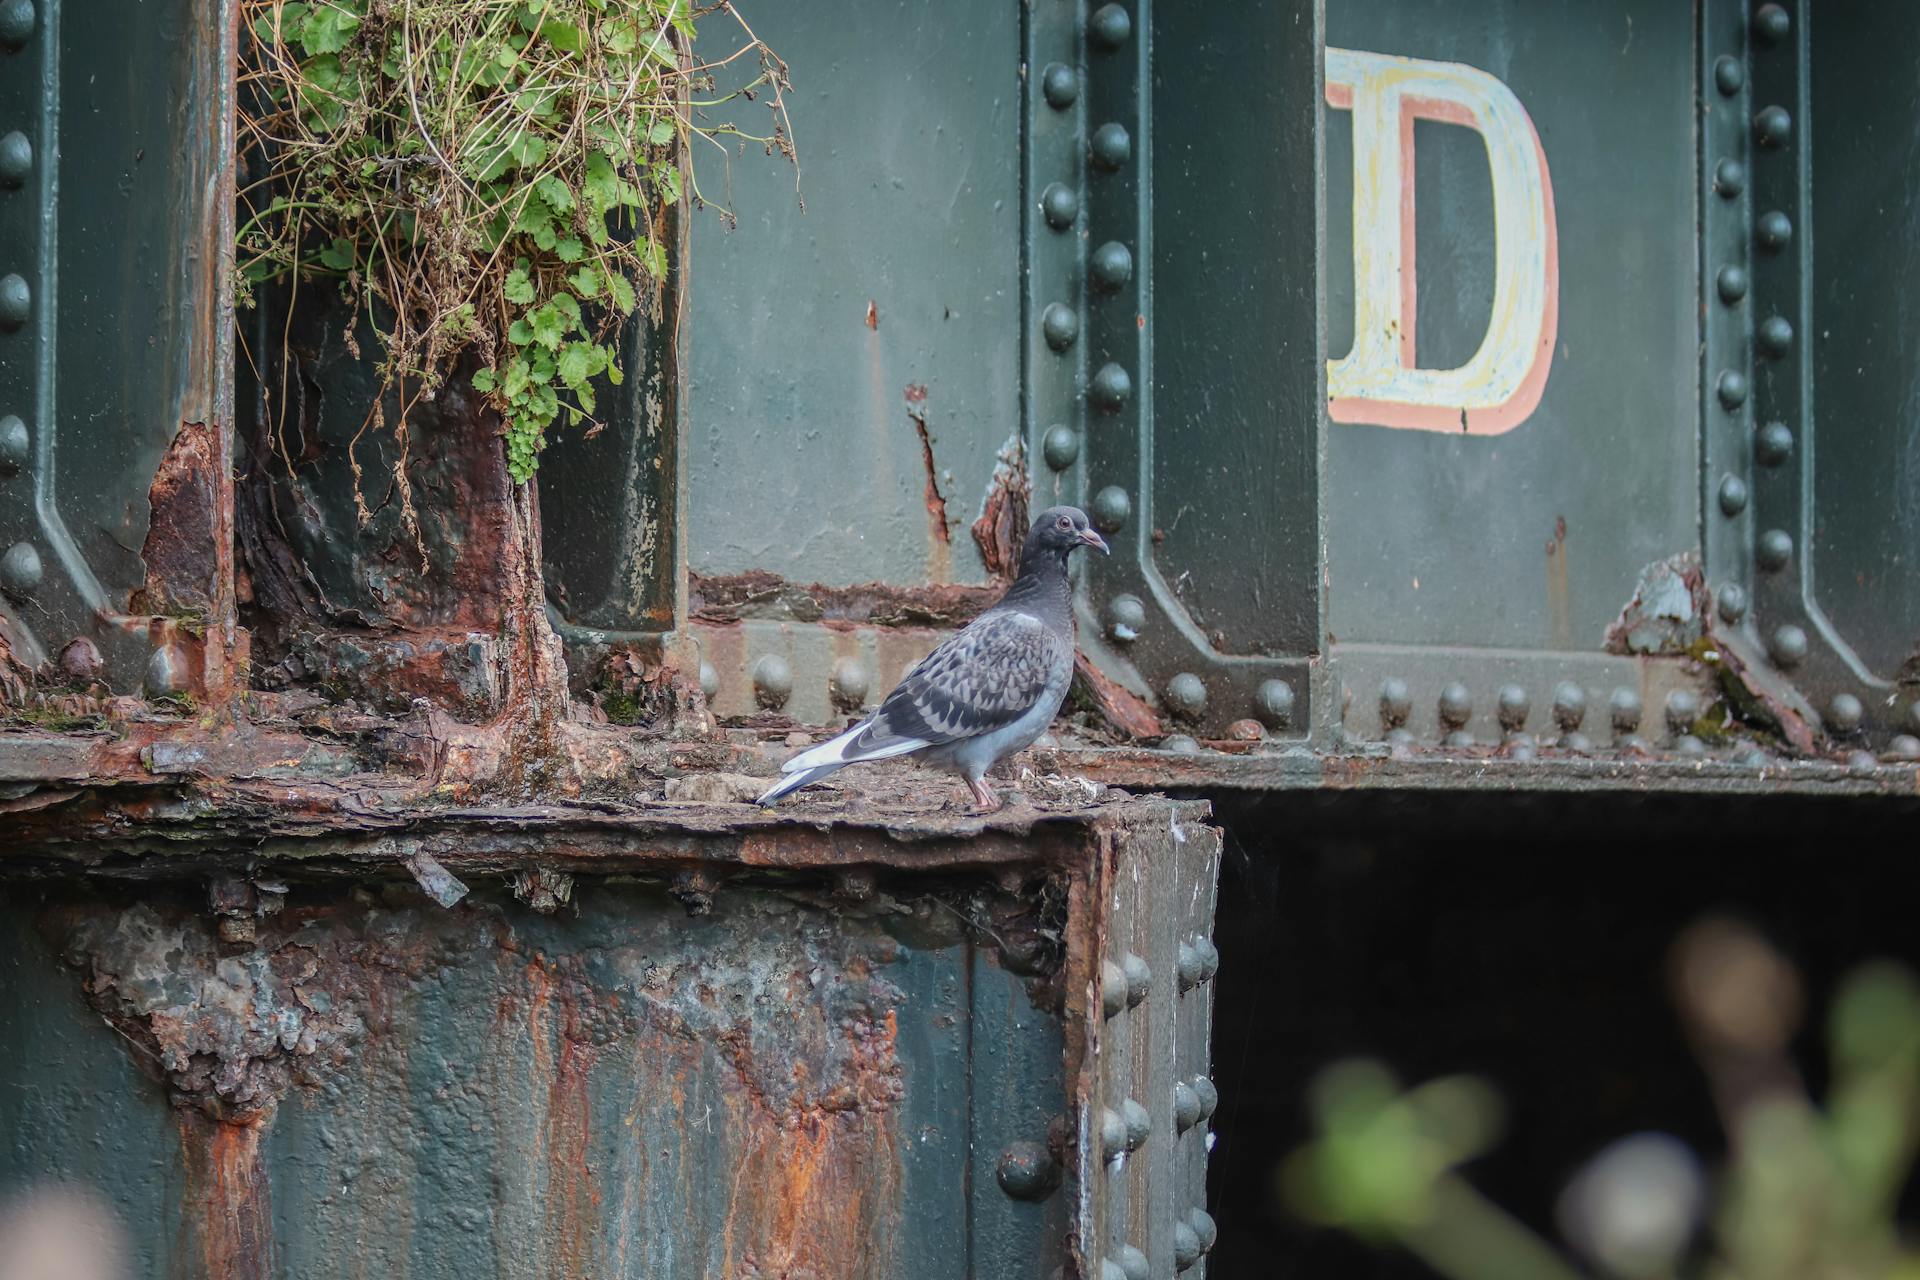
{"points": [[485, 176]]}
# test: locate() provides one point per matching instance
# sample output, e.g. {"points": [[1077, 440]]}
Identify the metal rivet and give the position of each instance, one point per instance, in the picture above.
{"points": [[14, 445], [772, 681], [1180, 744], [16, 22], [16, 159], [1113, 1133], [1027, 1171], [1126, 618], [1134, 1264], [1774, 550], [1623, 709], [1688, 745], [1771, 23], [1860, 762], [849, 684], [1273, 704], [1060, 325], [1110, 26], [1060, 85], [166, 671], [1186, 1106], [1751, 754], [1060, 204], [1209, 1096], [80, 660], [1733, 496], [1683, 708], [1733, 389], [16, 301], [1061, 447], [1788, 645], [1111, 1270], [1139, 1123], [1775, 336], [1569, 705], [1111, 146], [1186, 695], [709, 681], [1511, 707], [1904, 747], [1773, 444], [1113, 988], [1111, 507], [1732, 284], [1111, 265], [1111, 387], [1728, 75], [1203, 1226], [1186, 1246], [1733, 602], [1773, 127], [1396, 702], [1199, 961], [1456, 706], [1774, 230], [1729, 178], [20, 568], [1139, 978], [1844, 713]]}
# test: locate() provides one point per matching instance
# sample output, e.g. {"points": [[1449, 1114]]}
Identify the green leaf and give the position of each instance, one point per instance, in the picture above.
{"points": [[667, 179], [569, 250], [656, 259], [563, 36], [576, 364], [548, 327], [564, 304], [484, 381], [586, 282], [661, 132], [519, 286], [620, 289], [516, 379], [328, 29], [584, 394], [557, 194], [545, 236], [520, 333], [339, 255], [614, 375], [602, 185]]}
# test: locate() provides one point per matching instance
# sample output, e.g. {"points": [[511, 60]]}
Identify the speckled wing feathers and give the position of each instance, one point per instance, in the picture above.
{"points": [[978, 680]]}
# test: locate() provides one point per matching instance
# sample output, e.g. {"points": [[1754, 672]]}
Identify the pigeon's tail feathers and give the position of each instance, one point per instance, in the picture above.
{"points": [[847, 749], [793, 782]]}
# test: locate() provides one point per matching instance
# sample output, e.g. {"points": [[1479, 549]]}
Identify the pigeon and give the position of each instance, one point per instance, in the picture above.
{"points": [[989, 690]]}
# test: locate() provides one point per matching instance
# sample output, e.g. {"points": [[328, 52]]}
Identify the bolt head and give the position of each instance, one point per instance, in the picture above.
{"points": [[1396, 702], [1203, 1226], [1729, 178], [1139, 1123], [1060, 86], [1134, 1264], [166, 671], [1683, 708], [1139, 978], [1113, 1133], [16, 159], [1578, 743], [1112, 387], [1456, 706], [1209, 1096], [1027, 1171], [1110, 26], [1733, 496], [1111, 147], [709, 681], [1511, 707], [1273, 704], [1904, 747], [1111, 265], [1569, 705], [15, 445], [1774, 230], [1728, 75], [1787, 645], [1186, 1106], [1180, 744], [1623, 709], [16, 23], [1844, 713], [1688, 745], [1113, 988], [16, 301], [1732, 388], [80, 661], [1773, 127], [1732, 284], [772, 681], [20, 568], [1774, 551], [1060, 205], [1060, 325], [1771, 23], [1186, 1246], [1775, 336], [1111, 507], [1060, 447], [1186, 695], [1860, 762], [850, 683], [1733, 602], [1772, 444], [1126, 618]]}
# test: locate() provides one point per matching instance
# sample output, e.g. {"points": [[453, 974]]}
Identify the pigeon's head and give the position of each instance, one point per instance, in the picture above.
{"points": [[1057, 531]]}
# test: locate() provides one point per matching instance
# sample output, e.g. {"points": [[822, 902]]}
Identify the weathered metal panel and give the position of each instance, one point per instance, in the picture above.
{"points": [[1530, 534], [855, 362]]}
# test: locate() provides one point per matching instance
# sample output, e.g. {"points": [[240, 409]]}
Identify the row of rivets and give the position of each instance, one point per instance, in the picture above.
{"points": [[1125, 1131], [1513, 707], [848, 684], [1199, 961], [1185, 694], [21, 569], [1124, 985]]}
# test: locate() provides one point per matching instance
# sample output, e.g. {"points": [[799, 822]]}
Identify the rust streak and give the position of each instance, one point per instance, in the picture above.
{"points": [[936, 502]]}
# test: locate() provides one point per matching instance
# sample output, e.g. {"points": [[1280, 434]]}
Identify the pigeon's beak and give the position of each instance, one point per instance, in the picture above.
{"points": [[1093, 539]]}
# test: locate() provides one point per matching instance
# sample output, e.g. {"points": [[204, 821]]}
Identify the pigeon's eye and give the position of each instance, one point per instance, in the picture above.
{"points": [[1065, 522]]}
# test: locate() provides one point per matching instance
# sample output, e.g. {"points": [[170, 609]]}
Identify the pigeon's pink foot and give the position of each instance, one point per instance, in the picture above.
{"points": [[983, 795]]}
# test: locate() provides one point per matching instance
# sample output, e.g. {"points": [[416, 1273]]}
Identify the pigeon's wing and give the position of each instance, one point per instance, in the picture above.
{"points": [[978, 680]]}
